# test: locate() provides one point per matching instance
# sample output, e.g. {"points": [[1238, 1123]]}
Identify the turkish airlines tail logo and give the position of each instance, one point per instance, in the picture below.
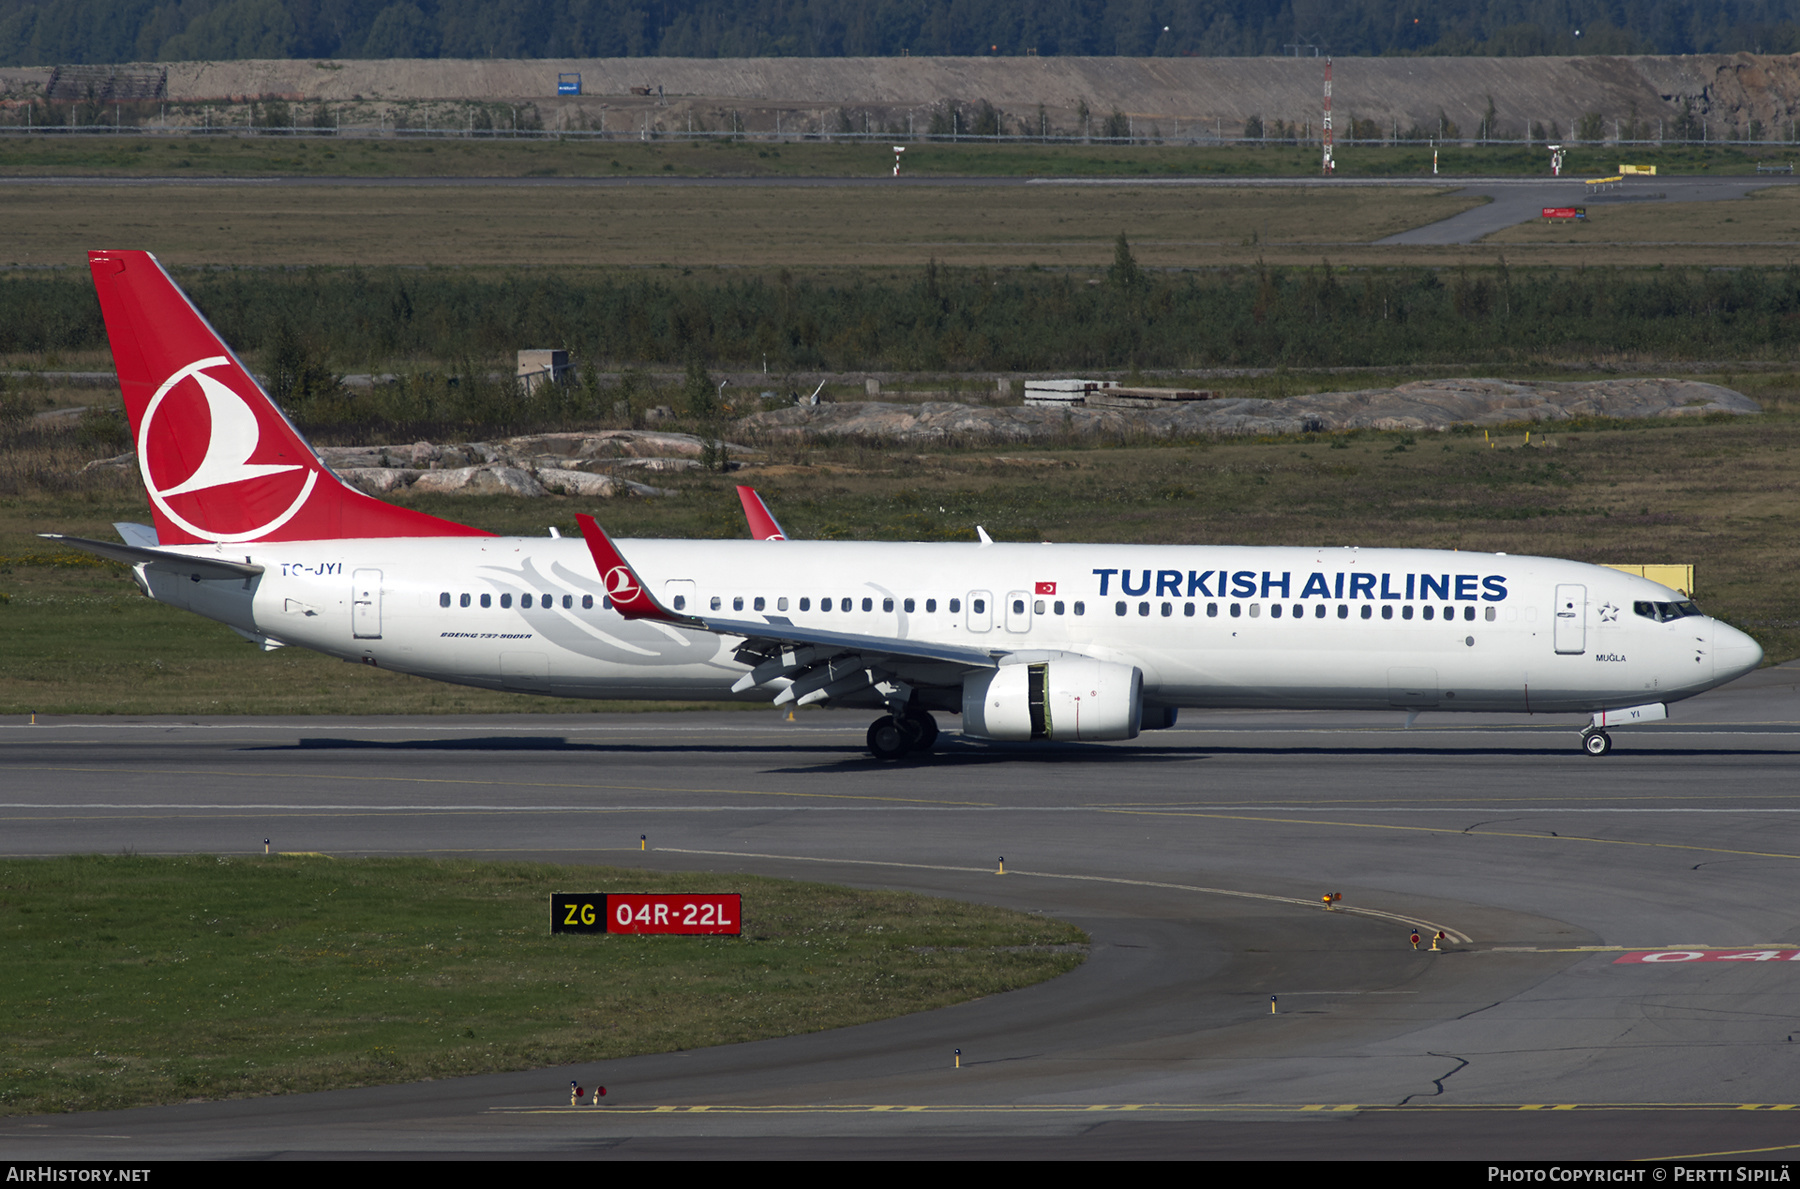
{"points": [[220, 462]]}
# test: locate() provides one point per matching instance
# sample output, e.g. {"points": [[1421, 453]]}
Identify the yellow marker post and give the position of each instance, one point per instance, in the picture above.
{"points": [[265, 846], [1272, 1010], [1002, 870], [958, 1053], [643, 842]]}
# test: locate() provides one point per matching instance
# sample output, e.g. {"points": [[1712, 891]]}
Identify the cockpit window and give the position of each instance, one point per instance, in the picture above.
{"points": [[1665, 612]]}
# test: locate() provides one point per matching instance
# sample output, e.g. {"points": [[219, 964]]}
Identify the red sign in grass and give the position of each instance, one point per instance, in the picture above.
{"points": [[1565, 212], [660, 912]]}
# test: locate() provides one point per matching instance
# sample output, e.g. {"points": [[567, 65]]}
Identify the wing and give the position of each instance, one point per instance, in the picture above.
{"points": [[818, 665], [762, 522]]}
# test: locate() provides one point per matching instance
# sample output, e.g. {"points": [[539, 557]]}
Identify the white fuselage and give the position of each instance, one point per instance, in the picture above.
{"points": [[1209, 626]]}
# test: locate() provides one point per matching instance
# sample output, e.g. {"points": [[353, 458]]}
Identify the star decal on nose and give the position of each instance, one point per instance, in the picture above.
{"points": [[1609, 613]]}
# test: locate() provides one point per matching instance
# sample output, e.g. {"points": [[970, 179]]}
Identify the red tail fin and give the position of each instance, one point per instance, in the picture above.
{"points": [[219, 460]]}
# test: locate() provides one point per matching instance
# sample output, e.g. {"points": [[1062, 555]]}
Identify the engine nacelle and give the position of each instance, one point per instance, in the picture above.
{"points": [[1069, 699]]}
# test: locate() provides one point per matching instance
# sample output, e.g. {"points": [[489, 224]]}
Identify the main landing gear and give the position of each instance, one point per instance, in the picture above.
{"points": [[893, 736], [1595, 741]]}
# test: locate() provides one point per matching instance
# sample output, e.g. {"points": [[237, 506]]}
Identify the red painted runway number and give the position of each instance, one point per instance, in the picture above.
{"points": [[1674, 957], [670, 913]]}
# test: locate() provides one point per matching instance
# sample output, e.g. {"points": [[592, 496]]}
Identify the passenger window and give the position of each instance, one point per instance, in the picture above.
{"points": [[1143, 608], [680, 602], [1274, 611], [547, 600], [1058, 606], [568, 602], [930, 605], [1037, 608], [1299, 611], [524, 602], [1367, 611], [978, 606], [955, 606], [716, 604], [907, 606], [1426, 611], [758, 604], [462, 601], [737, 603], [1406, 611], [1343, 610], [1255, 610], [505, 600], [868, 605], [806, 604], [1490, 614], [824, 604], [1387, 611], [1118, 608], [1168, 609], [1019, 607], [606, 602], [1212, 611], [444, 599], [1237, 609], [781, 603], [887, 604], [1449, 614], [1469, 613], [587, 602], [1081, 608], [487, 600], [1319, 611]]}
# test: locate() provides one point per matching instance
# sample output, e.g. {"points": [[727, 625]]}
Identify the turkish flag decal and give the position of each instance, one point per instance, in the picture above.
{"points": [[1048, 588]]}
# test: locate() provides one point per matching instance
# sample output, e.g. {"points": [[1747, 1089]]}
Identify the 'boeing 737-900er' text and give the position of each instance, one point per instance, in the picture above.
{"points": [[1056, 642]]}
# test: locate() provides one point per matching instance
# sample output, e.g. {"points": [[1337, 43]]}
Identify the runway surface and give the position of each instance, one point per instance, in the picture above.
{"points": [[1193, 857]]}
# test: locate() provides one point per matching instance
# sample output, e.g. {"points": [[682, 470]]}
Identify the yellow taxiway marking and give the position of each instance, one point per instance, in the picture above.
{"points": [[1294, 821], [1190, 1108], [1415, 922], [507, 784]]}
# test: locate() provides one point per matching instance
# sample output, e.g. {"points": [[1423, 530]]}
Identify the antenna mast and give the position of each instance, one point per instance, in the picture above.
{"points": [[1325, 129]]}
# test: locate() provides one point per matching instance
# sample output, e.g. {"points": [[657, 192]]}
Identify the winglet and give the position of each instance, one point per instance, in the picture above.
{"points": [[762, 523], [629, 596]]}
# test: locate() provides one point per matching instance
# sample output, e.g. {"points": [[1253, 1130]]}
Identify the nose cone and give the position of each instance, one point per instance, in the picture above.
{"points": [[1734, 653]]}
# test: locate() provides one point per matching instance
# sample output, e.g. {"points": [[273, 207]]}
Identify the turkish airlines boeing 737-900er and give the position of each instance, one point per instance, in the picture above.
{"points": [[1059, 642]]}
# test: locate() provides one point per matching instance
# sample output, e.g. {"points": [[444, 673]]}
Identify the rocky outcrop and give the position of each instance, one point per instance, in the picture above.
{"points": [[1421, 405]]}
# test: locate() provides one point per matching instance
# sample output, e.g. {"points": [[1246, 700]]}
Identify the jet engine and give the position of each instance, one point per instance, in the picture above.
{"points": [[1068, 699]]}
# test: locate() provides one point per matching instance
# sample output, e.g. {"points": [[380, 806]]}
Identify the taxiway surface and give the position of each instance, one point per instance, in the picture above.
{"points": [[1193, 857]]}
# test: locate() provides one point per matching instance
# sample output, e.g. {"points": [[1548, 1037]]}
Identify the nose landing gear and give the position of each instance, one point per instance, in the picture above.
{"points": [[891, 737], [1596, 742]]}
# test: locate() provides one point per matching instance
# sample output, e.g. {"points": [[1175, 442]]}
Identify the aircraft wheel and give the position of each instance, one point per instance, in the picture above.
{"points": [[925, 728], [1596, 743], [888, 739]]}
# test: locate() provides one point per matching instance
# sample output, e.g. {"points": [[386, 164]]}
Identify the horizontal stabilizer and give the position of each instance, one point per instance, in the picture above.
{"points": [[137, 555]]}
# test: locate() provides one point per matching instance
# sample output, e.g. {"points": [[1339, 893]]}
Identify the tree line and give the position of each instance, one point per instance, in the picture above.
{"points": [[46, 32]]}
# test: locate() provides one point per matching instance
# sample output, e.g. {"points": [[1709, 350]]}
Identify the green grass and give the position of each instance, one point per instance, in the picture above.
{"points": [[127, 981], [351, 157]]}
